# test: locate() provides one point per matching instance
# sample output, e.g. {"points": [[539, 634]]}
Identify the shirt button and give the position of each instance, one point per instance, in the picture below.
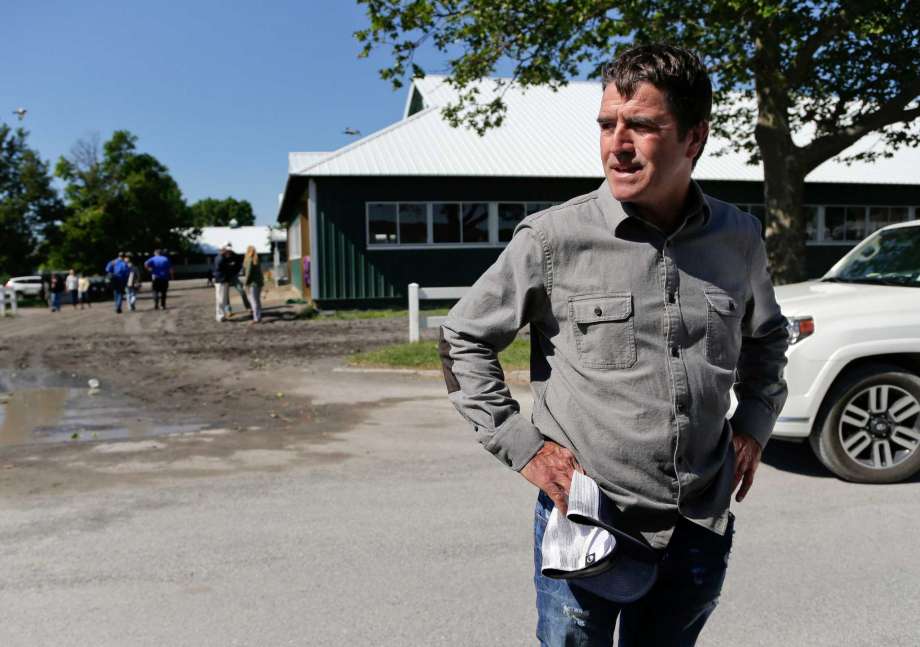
{"points": [[672, 297], [675, 351], [598, 312], [681, 407]]}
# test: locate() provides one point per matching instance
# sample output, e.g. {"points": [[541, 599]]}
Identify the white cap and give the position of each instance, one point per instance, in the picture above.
{"points": [[583, 547]]}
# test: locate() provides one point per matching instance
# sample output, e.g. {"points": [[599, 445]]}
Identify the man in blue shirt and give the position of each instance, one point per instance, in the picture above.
{"points": [[118, 270], [161, 270]]}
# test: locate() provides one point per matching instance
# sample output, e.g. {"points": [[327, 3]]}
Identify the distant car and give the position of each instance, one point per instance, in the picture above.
{"points": [[30, 286], [854, 360]]}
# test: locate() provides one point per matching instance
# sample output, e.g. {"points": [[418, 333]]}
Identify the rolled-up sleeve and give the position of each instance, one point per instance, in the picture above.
{"points": [[509, 295], [761, 390]]}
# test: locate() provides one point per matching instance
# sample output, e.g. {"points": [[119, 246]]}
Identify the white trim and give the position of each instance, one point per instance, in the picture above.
{"points": [[312, 216], [493, 221]]}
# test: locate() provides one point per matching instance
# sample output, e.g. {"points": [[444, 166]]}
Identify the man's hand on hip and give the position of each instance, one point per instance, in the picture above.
{"points": [[551, 470], [747, 460]]}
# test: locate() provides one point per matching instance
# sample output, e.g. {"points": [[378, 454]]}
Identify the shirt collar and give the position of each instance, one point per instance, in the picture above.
{"points": [[697, 211]]}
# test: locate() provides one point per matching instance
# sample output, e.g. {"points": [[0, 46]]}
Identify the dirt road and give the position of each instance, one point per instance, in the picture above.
{"points": [[178, 368]]}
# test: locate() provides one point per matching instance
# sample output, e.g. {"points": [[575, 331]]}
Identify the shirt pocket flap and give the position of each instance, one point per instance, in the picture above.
{"points": [[599, 308], [723, 303]]}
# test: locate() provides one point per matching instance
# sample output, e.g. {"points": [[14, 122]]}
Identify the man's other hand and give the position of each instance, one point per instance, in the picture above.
{"points": [[747, 460], [551, 470]]}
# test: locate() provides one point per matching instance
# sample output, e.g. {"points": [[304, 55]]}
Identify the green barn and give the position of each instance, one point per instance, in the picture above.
{"points": [[420, 201]]}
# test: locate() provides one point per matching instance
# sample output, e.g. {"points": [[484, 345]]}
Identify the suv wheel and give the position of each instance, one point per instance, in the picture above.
{"points": [[869, 430]]}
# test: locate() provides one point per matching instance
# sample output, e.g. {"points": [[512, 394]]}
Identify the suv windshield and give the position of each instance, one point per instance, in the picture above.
{"points": [[889, 257]]}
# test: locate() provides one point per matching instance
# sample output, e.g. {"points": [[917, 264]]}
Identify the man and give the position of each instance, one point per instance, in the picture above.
{"points": [[161, 270], [56, 290], [118, 271], [643, 299], [133, 283], [72, 282], [226, 273]]}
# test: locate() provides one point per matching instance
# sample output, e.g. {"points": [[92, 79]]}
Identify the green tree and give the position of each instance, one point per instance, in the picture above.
{"points": [[837, 70], [211, 212], [120, 200], [29, 205]]}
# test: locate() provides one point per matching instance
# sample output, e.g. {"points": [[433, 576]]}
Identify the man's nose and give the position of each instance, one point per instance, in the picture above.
{"points": [[622, 142]]}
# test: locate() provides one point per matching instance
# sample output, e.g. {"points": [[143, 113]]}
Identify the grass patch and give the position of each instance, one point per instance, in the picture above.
{"points": [[424, 355]]}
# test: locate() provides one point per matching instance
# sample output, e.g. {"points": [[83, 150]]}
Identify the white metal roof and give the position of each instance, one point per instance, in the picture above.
{"points": [[545, 133], [213, 238], [299, 161]]}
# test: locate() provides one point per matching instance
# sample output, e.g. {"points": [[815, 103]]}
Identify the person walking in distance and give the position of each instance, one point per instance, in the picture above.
{"points": [[133, 284], [73, 283], [235, 283], [647, 301], [117, 269], [56, 289], [253, 282], [83, 289], [161, 270], [224, 272]]}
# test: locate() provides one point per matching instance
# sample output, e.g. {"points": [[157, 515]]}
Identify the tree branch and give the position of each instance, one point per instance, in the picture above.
{"points": [[824, 32], [825, 147]]}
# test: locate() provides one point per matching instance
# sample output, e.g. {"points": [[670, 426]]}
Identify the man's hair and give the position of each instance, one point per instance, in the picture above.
{"points": [[678, 73]]}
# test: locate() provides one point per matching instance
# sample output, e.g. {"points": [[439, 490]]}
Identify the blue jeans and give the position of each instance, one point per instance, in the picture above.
{"points": [[55, 301], [672, 613], [118, 289], [132, 297]]}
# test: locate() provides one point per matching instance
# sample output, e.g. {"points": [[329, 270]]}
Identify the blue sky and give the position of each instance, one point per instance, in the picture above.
{"points": [[217, 91]]}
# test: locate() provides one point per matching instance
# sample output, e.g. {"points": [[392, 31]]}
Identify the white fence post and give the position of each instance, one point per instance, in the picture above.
{"points": [[413, 312]]}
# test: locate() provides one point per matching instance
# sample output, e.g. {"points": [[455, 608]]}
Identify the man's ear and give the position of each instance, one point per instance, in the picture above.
{"points": [[696, 139]]}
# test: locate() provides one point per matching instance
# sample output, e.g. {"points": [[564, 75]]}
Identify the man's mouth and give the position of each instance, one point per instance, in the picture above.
{"points": [[626, 169]]}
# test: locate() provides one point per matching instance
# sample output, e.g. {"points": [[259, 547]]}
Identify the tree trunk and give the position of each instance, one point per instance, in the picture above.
{"points": [[786, 227], [784, 174]]}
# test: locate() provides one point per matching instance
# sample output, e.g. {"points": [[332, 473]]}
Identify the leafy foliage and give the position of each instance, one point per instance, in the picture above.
{"points": [[211, 212], [29, 205], [120, 200]]}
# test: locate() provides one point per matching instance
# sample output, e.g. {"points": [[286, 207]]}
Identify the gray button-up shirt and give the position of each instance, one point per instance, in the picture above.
{"points": [[637, 337]]}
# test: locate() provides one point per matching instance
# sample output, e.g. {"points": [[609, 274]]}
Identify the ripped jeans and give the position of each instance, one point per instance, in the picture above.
{"points": [[671, 614]]}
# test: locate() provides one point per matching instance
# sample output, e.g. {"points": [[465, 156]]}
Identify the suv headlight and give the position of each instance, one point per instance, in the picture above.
{"points": [[800, 328]]}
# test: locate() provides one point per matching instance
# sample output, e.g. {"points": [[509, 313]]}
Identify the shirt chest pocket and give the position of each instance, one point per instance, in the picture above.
{"points": [[603, 327], [723, 329]]}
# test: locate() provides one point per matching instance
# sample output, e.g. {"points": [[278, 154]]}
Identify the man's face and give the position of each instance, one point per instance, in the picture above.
{"points": [[644, 159]]}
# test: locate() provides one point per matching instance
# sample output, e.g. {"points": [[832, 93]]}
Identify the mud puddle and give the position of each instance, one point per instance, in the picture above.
{"points": [[51, 408]]}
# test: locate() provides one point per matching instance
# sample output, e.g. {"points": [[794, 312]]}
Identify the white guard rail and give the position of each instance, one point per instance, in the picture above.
{"points": [[7, 294], [417, 294]]}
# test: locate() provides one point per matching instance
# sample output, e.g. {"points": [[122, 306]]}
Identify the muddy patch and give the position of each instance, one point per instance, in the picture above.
{"points": [[38, 408]]}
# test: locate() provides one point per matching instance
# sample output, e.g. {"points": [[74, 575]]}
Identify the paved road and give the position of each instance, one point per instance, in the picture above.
{"points": [[388, 525]]}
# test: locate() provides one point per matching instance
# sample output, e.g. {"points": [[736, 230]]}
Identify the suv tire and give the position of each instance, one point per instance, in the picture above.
{"points": [[859, 436]]}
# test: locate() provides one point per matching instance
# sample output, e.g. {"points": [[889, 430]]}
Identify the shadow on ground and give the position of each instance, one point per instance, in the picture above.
{"points": [[794, 457], [799, 459]]}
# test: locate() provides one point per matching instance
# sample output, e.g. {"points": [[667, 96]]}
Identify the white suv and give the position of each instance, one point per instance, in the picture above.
{"points": [[25, 285], [854, 361]]}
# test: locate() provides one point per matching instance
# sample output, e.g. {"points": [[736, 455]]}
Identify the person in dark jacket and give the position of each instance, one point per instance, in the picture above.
{"points": [[227, 266], [57, 289], [225, 274]]}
